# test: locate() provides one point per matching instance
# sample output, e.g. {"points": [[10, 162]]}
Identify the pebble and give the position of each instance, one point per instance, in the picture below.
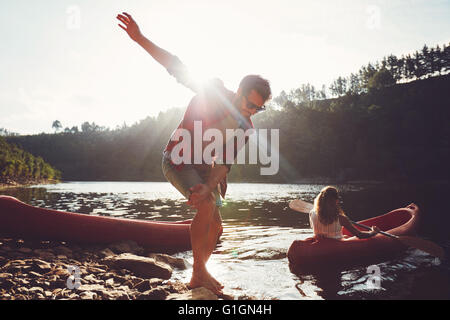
{"points": [[41, 270]]}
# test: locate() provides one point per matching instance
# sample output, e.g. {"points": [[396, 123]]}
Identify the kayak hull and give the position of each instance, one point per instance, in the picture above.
{"points": [[314, 254], [18, 219]]}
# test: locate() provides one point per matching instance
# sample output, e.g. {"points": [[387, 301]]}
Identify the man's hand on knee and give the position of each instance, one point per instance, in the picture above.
{"points": [[199, 194]]}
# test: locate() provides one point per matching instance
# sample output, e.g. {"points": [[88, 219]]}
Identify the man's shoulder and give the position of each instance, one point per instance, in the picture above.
{"points": [[213, 95]]}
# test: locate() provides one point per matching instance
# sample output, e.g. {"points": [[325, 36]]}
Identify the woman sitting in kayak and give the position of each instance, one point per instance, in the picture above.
{"points": [[327, 218]]}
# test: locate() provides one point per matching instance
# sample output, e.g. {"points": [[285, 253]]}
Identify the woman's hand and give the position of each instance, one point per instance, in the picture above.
{"points": [[375, 230], [130, 27]]}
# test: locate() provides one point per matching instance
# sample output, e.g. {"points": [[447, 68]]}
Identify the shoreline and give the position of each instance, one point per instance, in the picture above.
{"points": [[56, 270], [20, 184]]}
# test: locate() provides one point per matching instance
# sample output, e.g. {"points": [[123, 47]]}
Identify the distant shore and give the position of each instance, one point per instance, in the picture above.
{"points": [[7, 183]]}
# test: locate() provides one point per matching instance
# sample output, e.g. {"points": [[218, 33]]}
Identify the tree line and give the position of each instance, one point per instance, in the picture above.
{"points": [[385, 130], [424, 63], [17, 165]]}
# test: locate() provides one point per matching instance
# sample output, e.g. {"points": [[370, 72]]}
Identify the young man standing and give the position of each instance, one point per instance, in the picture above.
{"points": [[203, 183]]}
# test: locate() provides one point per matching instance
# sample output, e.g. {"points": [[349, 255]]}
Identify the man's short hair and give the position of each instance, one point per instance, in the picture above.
{"points": [[257, 83]]}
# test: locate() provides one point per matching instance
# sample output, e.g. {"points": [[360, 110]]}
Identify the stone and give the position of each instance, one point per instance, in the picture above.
{"points": [[88, 295], [141, 266], [116, 295], [194, 294], [92, 287], [154, 294], [35, 274], [4, 276], [106, 253], [92, 279], [25, 250], [126, 247], [143, 286], [41, 266], [177, 263], [63, 250], [44, 254], [109, 282], [36, 290]]}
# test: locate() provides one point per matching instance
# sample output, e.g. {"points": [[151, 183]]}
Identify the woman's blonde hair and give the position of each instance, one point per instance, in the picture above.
{"points": [[326, 206]]}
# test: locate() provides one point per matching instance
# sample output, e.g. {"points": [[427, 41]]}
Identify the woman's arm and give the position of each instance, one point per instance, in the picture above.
{"points": [[173, 65], [345, 222]]}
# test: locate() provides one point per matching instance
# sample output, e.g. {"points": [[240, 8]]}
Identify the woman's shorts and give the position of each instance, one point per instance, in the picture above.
{"points": [[189, 176]]}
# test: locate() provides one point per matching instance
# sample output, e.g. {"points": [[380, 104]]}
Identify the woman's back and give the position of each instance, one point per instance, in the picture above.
{"points": [[332, 230]]}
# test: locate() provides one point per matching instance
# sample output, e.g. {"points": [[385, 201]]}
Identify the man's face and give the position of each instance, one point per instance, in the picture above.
{"points": [[253, 99]]}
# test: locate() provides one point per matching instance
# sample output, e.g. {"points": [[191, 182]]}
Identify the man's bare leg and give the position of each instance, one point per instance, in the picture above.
{"points": [[200, 230], [213, 236]]}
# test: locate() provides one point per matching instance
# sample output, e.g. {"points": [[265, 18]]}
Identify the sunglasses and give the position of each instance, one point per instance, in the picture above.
{"points": [[254, 106]]}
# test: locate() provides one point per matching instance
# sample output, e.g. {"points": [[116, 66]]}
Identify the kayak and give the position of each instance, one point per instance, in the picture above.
{"points": [[315, 253], [18, 219]]}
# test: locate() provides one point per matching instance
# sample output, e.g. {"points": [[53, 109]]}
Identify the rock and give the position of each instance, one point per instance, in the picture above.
{"points": [[177, 263], [35, 274], [141, 266], [92, 279], [106, 253], [92, 287], [91, 269], [116, 295], [109, 282], [4, 276], [63, 251], [25, 250], [143, 286], [154, 294], [36, 290], [127, 247], [88, 295], [44, 254], [195, 294], [41, 266]]}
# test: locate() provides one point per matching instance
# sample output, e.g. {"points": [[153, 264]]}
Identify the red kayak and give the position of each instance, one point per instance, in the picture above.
{"points": [[315, 253], [18, 219]]}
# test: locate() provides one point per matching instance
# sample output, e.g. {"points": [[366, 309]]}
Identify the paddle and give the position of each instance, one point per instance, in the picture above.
{"points": [[421, 244]]}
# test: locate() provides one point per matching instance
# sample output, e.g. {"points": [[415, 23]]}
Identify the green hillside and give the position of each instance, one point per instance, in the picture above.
{"points": [[21, 167]]}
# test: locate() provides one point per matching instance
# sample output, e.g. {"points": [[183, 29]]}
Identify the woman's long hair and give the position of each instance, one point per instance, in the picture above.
{"points": [[326, 207]]}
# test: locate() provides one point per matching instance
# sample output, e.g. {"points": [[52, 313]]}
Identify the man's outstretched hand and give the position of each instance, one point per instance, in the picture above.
{"points": [[130, 27]]}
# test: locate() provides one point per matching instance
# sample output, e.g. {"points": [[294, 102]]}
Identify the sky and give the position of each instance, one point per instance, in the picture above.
{"points": [[69, 60]]}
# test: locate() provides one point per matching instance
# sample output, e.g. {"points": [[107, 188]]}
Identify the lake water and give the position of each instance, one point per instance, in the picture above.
{"points": [[259, 227]]}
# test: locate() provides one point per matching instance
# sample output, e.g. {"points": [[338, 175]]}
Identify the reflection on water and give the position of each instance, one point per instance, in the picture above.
{"points": [[258, 229]]}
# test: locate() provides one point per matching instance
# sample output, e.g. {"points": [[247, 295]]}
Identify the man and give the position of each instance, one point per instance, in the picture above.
{"points": [[203, 183]]}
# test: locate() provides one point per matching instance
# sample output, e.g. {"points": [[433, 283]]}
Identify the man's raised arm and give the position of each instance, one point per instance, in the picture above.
{"points": [[173, 65]]}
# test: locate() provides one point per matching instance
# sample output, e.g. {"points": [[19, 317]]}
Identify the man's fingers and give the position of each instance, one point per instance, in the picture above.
{"points": [[128, 16], [122, 27], [123, 19]]}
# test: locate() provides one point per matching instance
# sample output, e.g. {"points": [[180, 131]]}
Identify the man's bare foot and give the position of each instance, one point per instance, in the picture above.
{"points": [[204, 279]]}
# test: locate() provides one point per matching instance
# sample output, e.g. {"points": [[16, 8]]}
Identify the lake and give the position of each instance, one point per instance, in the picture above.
{"points": [[259, 228]]}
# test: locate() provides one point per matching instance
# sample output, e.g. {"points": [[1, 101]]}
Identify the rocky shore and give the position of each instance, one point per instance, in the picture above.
{"points": [[48, 270]]}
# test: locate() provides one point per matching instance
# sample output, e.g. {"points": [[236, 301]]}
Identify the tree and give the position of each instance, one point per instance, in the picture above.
{"points": [[382, 78], [57, 125]]}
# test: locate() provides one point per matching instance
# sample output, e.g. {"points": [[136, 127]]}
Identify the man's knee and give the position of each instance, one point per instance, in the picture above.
{"points": [[207, 205]]}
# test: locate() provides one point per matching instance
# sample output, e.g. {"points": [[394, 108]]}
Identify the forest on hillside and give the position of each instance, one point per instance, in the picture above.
{"points": [[19, 166], [388, 121]]}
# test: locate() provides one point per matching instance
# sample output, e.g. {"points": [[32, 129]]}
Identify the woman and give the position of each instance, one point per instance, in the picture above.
{"points": [[327, 218]]}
